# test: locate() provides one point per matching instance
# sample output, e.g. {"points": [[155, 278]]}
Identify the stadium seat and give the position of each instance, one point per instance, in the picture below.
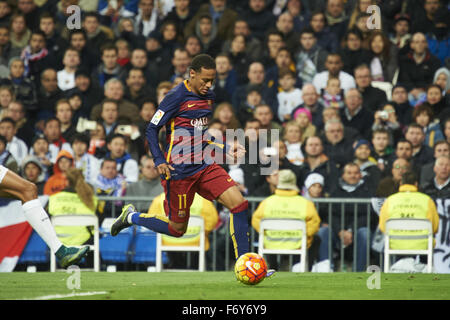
{"points": [[409, 225], [115, 249], [35, 251], [145, 247], [79, 220], [194, 222], [284, 224]]}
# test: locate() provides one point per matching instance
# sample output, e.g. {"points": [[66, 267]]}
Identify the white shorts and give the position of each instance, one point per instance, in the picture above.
{"points": [[3, 171]]}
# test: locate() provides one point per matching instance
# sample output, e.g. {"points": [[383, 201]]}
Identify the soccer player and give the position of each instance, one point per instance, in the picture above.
{"points": [[13, 185], [185, 111]]}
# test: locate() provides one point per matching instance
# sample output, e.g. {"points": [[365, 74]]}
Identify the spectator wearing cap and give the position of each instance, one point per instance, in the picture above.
{"points": [[294, 207], [58, 180], [401, 35], [367, 164], [32, 170], [303, 117]]}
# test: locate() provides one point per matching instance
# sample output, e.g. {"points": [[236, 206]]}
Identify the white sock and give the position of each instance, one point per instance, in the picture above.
{"points": [[39, 220], [129, 218]]}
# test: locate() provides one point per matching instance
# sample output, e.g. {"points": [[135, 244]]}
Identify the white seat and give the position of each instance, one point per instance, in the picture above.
{"points": [[194, 221], [284, 224], [79, 220], [410, 225]]}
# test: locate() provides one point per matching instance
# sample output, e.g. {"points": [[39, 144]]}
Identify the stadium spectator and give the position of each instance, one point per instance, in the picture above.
{"points": [[316, 161], [423, 115], [425, 20], [139, 60], [359, 8], [25, 130], [336, 145], [180, 62], [417, 68], [20, 34], [181, 13], [36, 57], [438, 187], [352, 52], [381, 150], [442, 79], [117, 146], [54, 42], [289, 97], [7, 51], [6, 158], [52, 132], [355, 115], [58, 180], [373, 98], [6, 97], [136, 88], [311, 102], [259, 18], [240, 58], [17, 147], [225, 114], [80, 198], [384, 62], [325, 37], [96, 37], [109, 68], [422, 154], [367, 164], [336, 17], [147, 18], [207, 33], [31, 169], [268, 187], [64, 114], [292, 137], [256, 77], [23, 88], [47, 96], [285, 25], [223, 18], [287, 195], [437, 101], [351, 185], [401, 36], [89, 58], [303, 117], [128, 112], [253, 45], [264, 114], [401, 104], [441, 149], [31, 12], [391, 182], [386, 118], [87, 163], [310, 57], [109, 181], [332, 95], [334, 65], [299, 13], [404, 150], [419, 206], [148, 184], [227, 78], [66, 76], [283, 60]]}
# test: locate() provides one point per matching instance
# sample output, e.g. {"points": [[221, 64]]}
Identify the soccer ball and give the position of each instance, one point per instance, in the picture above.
{"points": [[250, 268]]}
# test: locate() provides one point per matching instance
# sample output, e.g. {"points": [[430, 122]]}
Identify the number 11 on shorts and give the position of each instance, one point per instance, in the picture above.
{"points": [[182, 201]]}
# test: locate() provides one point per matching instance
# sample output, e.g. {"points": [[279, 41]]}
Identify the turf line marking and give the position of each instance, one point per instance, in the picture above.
{"points": [[70, 295]]}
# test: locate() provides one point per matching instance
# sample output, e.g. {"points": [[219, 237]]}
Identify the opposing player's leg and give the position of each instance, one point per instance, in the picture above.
{"points": [[36, 216]]}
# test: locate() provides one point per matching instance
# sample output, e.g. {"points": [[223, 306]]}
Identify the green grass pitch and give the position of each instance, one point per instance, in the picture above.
{"points": [[220, 286]]}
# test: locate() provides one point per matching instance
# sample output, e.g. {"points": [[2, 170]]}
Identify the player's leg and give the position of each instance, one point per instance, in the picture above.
{"points": [[21, 189], [216, 184], [178, 199]]}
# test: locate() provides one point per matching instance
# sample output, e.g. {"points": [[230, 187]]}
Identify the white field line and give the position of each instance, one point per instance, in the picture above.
{"points": [[70, 295]]}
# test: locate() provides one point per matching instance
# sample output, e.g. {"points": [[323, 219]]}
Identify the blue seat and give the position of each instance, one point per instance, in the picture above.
{"points": [[116, 249], [35, 251], [145, 247]]}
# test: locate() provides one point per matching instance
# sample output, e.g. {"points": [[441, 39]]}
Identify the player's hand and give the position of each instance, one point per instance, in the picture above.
{"points": [[164, 169]]}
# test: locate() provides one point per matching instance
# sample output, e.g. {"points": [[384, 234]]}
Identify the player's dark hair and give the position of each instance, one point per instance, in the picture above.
{"points": [[203, 60]]}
